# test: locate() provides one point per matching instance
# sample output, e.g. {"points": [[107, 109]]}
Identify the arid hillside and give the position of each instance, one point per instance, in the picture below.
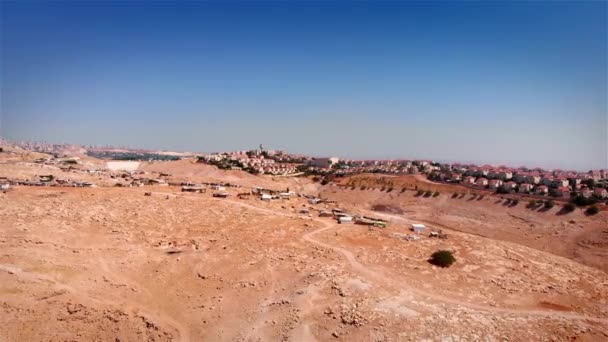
{"points": [[113, 264], [157, 264], [573, 235], [190, 170]]}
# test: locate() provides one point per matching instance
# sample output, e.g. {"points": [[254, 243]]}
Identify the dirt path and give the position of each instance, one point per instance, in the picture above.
{"points": [[378, 277], [362, 269]]}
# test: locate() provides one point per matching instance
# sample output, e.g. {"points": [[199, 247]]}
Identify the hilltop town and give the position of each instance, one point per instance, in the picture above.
{"points": [[563, 185], [120, 244]]}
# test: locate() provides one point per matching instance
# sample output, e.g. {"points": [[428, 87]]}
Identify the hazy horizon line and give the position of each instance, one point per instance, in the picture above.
{"points": [[507, 164]]}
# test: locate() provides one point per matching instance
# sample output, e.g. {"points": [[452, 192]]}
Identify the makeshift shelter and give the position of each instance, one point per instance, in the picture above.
{"points": [[418, 228], [345, 219]]}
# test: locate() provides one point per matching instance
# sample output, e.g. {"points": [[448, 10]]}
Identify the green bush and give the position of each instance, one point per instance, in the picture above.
{"points": [[582, 200], [403, 189], [428, 193], [325, 181], [592, 210], [442, 258], [419, 193], [549, 204], [454, 195], [515, 202], [436, 194], [568, 207]]}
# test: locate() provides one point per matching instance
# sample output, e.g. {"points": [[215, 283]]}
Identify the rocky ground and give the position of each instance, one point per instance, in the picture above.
{"points": [[112, 264]]}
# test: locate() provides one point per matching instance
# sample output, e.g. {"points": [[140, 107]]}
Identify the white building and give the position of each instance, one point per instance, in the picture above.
{"points": [[324, 163], [418, 228]]}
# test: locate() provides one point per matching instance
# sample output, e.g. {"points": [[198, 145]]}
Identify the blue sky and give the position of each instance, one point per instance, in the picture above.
{"points": [[501, 82]]}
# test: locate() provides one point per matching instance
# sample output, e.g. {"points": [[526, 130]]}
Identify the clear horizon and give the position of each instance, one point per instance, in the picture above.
{"points": [[498, 83]]}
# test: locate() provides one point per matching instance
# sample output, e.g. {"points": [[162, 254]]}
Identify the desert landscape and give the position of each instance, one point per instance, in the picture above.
{"points": [[158, 264]]}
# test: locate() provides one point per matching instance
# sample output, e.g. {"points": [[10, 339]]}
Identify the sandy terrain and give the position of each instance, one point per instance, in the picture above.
{"points": [[113, 264], [107, 263], [574, 235]]}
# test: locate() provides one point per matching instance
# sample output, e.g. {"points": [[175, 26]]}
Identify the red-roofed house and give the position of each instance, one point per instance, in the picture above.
{"points": [[532, 179], [541, 190], [600, 192], [481, 181], [469, 180], [525, 187], [495, 183]]}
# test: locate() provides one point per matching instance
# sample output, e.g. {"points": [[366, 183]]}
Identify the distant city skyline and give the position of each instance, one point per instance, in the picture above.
{"points": [[514, 83], [245, 149]]}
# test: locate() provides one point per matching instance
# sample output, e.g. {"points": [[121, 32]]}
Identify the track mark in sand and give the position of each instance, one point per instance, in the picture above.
{"points": [[137, 308], [184, 334], [362, 269], [357, 266], [302, 332], [259, 322]]}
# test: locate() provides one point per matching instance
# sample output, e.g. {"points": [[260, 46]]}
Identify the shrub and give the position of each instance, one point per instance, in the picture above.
{"points": [[403, 189], [315, 179], [549, 204], [389, 190], [569, 207], [428, 193], [419, 193], [582, 200], [442, 258], [436, 194], [515, 202], [592, 210], [480, 197], [383, 188], [363, 188], [325, 181], [454, 195]]}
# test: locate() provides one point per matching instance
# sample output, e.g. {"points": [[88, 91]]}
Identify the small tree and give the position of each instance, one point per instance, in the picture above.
{"points": [[436, 194], [592, 210], [419, 193], [428, 193], [442, 258], [454, 195], [549, 204]]}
